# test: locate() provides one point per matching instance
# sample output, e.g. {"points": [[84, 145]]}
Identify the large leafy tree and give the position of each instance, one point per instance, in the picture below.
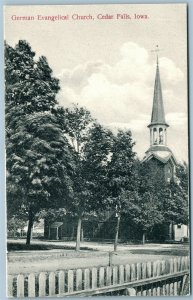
{"points": [[176, 200], [97, 155], [38, 155], [91, 147], [148, 213], [122, 177], [161, 202]]}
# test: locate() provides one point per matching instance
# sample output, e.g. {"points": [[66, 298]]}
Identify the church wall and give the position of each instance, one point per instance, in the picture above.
{"points": [[156, 168]]}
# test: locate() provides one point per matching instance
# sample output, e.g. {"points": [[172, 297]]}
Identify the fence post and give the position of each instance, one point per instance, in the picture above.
{"points": [[144, 269], [133, 272], [115, 275], [171, 265], [31, 285], [42, 284], [138, 271], [163, 272], [175, 271], [121, 274], [179, 264], [144, 276], [94, 278], [185, 285], [52, 284], [61, 282], [171, 289], [130, 292], [78, 280], [186, 263], [163, 267], [155, 268], [70, 281], [159, 264], [10, 286], [108, 275], [167, 289], [20, 286], [101, 277], [127, 273], [149, 275], [149, 267], [86, 279]]}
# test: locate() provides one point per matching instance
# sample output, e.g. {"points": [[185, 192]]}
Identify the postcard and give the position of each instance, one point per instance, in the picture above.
{"points": [[96, 113]]}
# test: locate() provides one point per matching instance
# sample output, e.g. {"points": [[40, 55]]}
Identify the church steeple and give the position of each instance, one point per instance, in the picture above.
{"points": [[158, 125], [159, 154], [158, 115]]}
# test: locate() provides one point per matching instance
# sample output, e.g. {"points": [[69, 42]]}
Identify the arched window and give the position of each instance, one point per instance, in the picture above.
{"points": [[161, 137], [155, 136]]}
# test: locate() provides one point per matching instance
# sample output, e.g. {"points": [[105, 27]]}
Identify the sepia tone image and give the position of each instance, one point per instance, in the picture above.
{"points": [[96, 108]]}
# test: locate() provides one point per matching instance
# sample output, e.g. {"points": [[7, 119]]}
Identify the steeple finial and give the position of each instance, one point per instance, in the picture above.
{"points": [[156, 50]]}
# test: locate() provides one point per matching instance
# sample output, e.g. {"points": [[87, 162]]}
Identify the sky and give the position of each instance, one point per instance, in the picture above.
{"points": [[108, 66]]}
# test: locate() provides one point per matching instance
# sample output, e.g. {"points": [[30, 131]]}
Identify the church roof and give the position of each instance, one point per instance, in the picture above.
{"points": [[158, 114], [162, 156], [159, 148]]}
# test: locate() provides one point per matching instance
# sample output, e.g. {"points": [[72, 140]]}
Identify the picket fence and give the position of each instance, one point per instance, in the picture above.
{"points": [[162, 277]]}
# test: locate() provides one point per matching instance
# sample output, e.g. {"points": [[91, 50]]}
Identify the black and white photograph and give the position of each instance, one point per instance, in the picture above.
{"points": [[97, 150]]}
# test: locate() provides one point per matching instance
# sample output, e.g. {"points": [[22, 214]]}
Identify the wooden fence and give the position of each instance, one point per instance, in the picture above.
{"points": [[166, 277]]}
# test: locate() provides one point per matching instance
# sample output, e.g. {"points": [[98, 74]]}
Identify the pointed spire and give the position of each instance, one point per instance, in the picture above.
{"points": [[158, 115]]}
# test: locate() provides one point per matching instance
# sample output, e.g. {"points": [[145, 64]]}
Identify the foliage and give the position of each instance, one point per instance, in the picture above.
{"points": [[91, 144], [122, 180], [14, 224], [149, 213], [176, 200], [122, 171], [38, 155], [160, 201], [97, 154]]}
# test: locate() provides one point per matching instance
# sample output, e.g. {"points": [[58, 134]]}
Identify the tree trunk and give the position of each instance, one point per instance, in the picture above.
{"points": [[82, 235], [29, 229], [14, 229], [78, 233], [143, 238], [117, 232]]}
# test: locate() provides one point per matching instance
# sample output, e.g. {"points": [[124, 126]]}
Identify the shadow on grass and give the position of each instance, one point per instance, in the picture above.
{"points": [[173, 252], [14, 246]]}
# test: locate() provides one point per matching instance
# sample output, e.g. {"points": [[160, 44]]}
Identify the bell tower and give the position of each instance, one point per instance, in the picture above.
{"points": [[158, 126], [159, 154]]}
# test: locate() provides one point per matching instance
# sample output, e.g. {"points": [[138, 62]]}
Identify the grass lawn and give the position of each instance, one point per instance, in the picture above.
{"points": [[52, 256]]}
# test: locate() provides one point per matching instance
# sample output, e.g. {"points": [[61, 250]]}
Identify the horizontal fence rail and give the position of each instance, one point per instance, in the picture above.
{"points": [[162, 277]]}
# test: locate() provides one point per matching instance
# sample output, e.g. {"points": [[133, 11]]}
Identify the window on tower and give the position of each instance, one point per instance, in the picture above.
{"points": [[155, 136], [160, 136]]}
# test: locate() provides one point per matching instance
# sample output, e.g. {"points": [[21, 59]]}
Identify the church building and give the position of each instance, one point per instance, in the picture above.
{"points": [[159, 154]]}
